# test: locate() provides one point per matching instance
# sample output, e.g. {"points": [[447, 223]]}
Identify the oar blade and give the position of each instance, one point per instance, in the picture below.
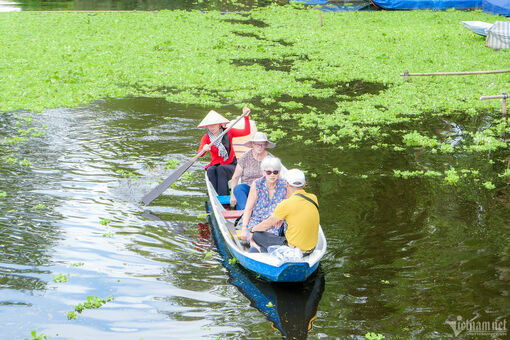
{"points": [[151, 196]]}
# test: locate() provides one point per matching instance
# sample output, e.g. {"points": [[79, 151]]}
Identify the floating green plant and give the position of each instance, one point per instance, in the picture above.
{"points": [[77, 264], [38, 206], [35, 336], [105, 221], [172, 163], [60, 278], [209, 254], [127, 174], [3, 194], [109, 234], [92, 302], [374, 336], [233, 261]]}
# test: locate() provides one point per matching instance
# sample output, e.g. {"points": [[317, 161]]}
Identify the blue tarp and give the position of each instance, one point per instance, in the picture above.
{"points": [[428, 4], [498, 7]]}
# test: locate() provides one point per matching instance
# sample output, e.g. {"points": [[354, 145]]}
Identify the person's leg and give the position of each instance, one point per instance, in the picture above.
{"points": [[224, 172], [213, 176], [241, 192], [265, 240]]}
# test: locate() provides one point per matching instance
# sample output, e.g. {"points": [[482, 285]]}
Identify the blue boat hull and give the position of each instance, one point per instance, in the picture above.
{"points": [[287, 272]]}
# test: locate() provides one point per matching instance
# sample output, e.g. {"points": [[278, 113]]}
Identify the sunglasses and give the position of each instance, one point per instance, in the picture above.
{"points": [[274, 172]]}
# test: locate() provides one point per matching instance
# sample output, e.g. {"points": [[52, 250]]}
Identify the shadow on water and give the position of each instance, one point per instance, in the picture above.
{"points": [[250, 21], [256, 36]]}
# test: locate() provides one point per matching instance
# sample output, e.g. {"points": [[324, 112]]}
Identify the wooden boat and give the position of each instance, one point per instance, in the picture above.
{"points": [[290, 307], [266, 265]]}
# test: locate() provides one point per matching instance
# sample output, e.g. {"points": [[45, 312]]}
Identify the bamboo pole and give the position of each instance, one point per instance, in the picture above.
{"points": [[503, 98], [406, 73]]}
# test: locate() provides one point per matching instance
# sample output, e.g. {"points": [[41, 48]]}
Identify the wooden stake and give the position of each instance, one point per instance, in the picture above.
{"points": [[320, 16], [505, 96], [406, 74]]}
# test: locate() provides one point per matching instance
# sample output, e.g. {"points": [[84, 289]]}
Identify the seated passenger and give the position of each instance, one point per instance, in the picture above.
{"points": [[265, 194], [248, 168], [301, 213]]}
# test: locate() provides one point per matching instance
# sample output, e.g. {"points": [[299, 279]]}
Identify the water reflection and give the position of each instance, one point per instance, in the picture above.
{"points": [[9, 6]]}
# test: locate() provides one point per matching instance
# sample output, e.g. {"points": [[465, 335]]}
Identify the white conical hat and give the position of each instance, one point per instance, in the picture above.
{"points": [[213, 117]]}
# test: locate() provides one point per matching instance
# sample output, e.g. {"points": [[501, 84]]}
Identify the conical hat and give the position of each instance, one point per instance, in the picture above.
{"points": [[213, 117]]}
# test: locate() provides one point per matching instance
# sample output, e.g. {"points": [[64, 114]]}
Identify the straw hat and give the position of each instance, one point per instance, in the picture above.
{"points": [[213, 117], [259, 137]]}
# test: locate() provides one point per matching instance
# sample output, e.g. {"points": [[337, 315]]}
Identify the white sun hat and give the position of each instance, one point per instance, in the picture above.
{"points": [[295, 178], [213, 117], [260, 137]]}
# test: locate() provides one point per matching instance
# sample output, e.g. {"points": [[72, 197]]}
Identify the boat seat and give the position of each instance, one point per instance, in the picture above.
{"points": [[224, 199], [232, 213]]}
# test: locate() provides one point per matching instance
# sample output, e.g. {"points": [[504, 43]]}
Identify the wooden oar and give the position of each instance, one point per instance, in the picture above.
{"points": [[151, 196]]}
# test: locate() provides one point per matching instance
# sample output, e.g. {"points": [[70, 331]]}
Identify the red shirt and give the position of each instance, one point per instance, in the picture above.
{"points": [[215, 157]]}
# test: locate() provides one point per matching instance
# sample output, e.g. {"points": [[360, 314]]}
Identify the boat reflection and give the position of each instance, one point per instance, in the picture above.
{"points": [[291, 307]]}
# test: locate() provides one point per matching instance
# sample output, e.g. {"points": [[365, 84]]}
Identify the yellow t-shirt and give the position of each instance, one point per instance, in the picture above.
{"points": [[302, 220]]}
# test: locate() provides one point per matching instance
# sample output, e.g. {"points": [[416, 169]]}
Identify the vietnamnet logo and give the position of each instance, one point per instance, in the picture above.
{"points": [[474, 327]]}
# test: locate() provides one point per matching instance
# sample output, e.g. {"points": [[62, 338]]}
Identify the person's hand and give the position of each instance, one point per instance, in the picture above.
{"points": [[206, 147], [244, 234], [233, 200], [246, 110]]}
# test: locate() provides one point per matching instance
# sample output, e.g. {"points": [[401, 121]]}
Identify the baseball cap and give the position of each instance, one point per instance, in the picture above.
{"points": [[295, 177]]}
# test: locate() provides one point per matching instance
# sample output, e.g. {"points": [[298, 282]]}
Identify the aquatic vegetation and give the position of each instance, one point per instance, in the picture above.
{"points": [[233, 261], [451, 177], [38, 206], [14, 140], [320, 80], [109, 234], [105, 221], [92, 302], [374, 336], [172, 163], [60, 278], [3, 194], [35, 336], [203, 216], [209, 254], [127, 174], [489, 185], [77, 264], [269, 304]]}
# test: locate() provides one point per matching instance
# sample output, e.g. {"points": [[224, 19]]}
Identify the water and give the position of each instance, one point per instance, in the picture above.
{"points": [[404, 256], [129, 5]]}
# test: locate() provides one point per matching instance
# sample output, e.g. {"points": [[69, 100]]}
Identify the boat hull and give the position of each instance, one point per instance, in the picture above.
{"points": [[263, 265]]}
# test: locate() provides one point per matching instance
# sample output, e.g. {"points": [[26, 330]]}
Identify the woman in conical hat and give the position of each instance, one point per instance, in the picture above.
{"points": [[223, 157], [248, 168]]}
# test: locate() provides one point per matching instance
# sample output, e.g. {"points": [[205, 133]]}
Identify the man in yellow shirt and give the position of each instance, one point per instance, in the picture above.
{"points": [[301, 212]]}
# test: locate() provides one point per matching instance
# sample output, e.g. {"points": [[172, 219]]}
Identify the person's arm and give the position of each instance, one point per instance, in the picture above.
{"points": [[247, 127], [204, 144], [266, 224], [248, 209], [235, 179]]}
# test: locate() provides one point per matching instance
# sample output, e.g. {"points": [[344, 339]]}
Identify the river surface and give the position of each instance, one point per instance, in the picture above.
{"points": [[404, 257]]}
